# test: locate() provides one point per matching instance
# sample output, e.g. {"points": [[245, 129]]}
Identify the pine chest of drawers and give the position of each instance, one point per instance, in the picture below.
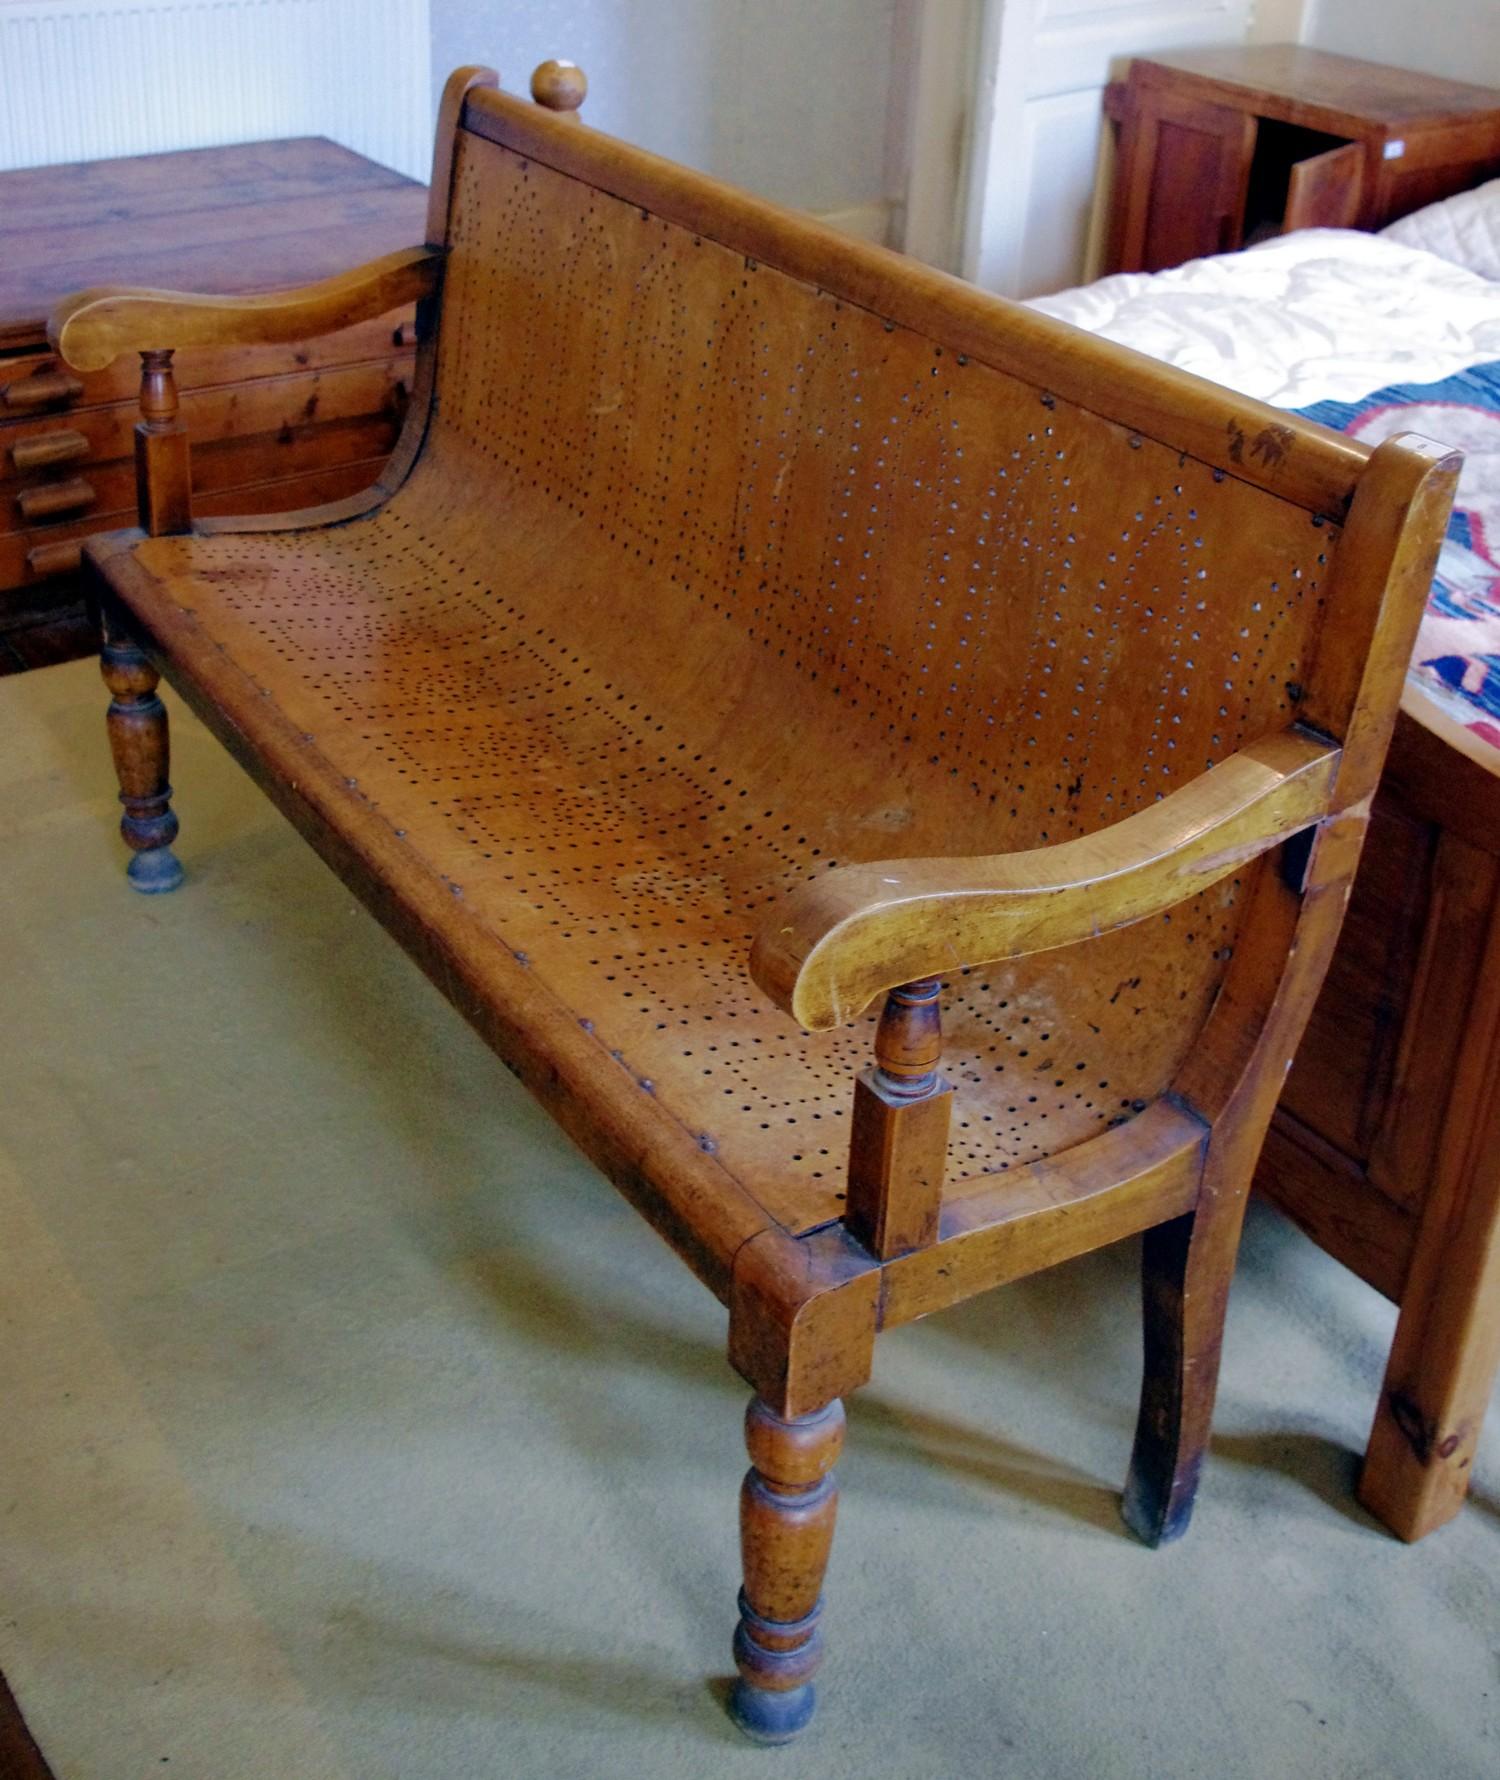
{"points": [[272, 427]]}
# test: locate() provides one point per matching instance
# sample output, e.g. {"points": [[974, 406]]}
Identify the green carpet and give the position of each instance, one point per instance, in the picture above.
{"points": [[354, 1427]]}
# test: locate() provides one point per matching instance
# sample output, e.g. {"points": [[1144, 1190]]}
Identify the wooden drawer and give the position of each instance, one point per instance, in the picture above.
{"points": [[230, 464], [200, 367], [265, 417], [30, 558], [263, 421], [271, 427]]}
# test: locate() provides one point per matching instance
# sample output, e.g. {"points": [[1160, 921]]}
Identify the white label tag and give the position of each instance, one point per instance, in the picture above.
{"points": [[1394, 150]]}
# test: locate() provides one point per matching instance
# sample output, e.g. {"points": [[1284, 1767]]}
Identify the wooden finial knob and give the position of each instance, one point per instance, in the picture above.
{"points": [[560, 86]]}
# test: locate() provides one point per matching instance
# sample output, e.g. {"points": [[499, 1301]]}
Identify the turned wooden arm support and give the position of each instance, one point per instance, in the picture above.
{"points": [[836, 944], [92, 329]]}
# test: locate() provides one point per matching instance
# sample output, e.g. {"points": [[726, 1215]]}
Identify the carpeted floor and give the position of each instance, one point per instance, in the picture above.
{"points": [[355, 1428]]}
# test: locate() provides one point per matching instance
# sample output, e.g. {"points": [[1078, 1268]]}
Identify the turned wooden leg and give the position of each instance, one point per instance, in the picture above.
{"points": [[137, 721], [1186, 1266], [787, 1509]]}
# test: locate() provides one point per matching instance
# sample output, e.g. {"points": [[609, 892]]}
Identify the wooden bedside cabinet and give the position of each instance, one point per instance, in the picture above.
{"points": [[1222, 148], [272, 427]]}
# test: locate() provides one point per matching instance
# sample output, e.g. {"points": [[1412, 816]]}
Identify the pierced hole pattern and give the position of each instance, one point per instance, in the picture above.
{"points": [[706, 581]]}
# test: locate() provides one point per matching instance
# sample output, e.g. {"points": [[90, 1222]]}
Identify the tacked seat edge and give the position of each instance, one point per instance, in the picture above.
{"points": [[686, 1195]]}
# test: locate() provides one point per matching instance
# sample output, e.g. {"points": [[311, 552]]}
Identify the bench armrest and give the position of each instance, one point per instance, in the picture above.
{"points": [[92, 329], [835, 944]]}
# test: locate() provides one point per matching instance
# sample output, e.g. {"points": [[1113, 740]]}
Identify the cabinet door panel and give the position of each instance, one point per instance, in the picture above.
{"points": [[1324, 191], [1185, 166]]}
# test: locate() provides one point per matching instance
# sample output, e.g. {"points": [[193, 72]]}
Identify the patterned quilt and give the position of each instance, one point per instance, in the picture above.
{"points": [[1455, 672]]}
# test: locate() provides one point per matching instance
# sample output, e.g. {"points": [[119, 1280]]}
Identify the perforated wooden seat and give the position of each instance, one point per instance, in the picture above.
{"points": [[753, 626], [628, 846]]}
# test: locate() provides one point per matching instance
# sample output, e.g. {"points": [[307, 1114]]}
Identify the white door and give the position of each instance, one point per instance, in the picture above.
{"points": [[1038, 123]]}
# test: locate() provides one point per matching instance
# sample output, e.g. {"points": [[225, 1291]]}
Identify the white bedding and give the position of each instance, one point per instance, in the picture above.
{"points": [[1336, 315], [1323, 314], [1464, 228]]}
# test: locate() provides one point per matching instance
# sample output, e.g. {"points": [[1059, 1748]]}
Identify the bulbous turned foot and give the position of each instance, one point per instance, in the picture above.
{"points": [[766, 1717], [774, 1698], [137, 722], [788, 1504], [154, 873]]}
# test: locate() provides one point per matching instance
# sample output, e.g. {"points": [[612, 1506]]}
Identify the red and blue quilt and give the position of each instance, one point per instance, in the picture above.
{"points": [[1454, 682]]}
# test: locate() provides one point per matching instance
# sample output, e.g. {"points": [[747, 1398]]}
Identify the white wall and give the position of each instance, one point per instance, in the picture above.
{"points": [[1277, 21], [787, 97], [84, 79], [1458, 38]]}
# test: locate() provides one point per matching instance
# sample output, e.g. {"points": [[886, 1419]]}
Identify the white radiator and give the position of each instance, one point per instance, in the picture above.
{"points": [[84, 79]]}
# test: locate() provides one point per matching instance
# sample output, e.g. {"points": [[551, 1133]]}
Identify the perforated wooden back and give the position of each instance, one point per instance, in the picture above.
{"points": [[987, 594]]}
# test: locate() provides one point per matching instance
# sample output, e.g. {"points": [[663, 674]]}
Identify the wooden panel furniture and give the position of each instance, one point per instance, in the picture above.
{"points": [[884, 768], [1386, 1145], [273, 426], [1219, 148]]}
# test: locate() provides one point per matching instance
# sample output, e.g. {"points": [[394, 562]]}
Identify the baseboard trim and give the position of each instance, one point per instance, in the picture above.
{"points": [[866, 222]]}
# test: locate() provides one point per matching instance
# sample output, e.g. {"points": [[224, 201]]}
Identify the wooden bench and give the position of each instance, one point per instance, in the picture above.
{"points": [[885, 769]]}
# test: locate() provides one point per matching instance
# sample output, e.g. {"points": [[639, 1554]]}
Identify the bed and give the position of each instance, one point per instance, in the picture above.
{"points": [[1386, 1146]]}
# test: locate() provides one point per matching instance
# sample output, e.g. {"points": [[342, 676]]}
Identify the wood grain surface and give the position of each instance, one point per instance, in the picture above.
{"points": [[722, 556], [227, 220]]}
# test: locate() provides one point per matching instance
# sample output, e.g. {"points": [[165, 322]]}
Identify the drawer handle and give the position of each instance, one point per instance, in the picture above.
{"points": [[40, 388], [53, 499], [44, 449], [55, 559]]}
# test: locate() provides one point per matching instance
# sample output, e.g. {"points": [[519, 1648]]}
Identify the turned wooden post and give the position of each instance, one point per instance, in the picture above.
{"points": [[898, 1144], [787, 1509], [137, 723], [560, 86], [163, 479]]}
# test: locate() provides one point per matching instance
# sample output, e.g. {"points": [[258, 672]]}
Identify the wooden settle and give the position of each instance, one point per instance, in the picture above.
{"points": [[1017, 686]]}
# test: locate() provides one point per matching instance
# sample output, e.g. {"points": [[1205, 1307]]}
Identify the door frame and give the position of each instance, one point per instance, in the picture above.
{"points": [[970, 66]]}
